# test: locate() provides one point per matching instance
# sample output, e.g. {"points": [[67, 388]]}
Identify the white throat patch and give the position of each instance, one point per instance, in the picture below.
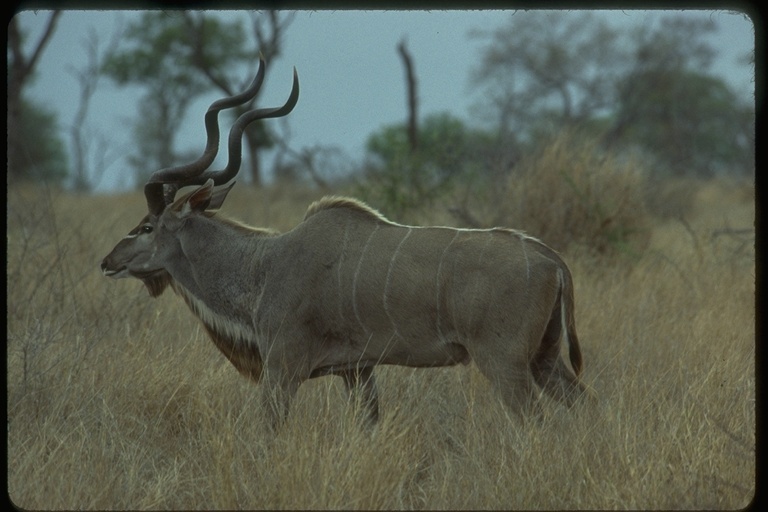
{"points": [[227, 327]]}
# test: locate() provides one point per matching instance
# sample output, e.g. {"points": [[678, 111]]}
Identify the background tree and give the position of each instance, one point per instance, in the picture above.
{"points": [[40, 155], [34, 149], [267, 29], [89, 150], [545, 71], [448, 152], [648, 88], [412, 95], [688, 121], [149, 57], [180, 55]]}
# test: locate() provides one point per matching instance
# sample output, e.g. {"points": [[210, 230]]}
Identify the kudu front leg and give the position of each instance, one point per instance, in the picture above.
{"points": [[361, 382], [276, 395]]}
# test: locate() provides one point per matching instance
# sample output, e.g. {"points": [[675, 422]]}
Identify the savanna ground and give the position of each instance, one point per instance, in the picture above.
{"points": [[118, 401]]}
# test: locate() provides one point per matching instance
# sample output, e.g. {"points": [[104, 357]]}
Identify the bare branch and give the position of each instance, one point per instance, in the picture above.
{"points": [[20, 69], [88, 78], [22, 65], [269, 40], [197, 41]]}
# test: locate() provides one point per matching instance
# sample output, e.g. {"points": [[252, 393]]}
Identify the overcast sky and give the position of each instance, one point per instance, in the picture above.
{"points": [[351, 75]]}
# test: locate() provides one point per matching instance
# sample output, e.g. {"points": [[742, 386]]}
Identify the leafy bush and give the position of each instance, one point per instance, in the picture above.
{"points": [[401, 180]]}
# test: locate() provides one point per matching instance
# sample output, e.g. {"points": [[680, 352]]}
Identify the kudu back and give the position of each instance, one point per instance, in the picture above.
{"points": [[347, 289]]}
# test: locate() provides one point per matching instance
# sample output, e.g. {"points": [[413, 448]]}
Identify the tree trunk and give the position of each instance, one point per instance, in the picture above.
{"points": [[20, 68], [410, 81], [252, 147]]}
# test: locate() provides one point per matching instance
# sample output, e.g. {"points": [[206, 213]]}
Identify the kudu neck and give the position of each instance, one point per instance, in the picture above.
{"points": [[217, 258]]}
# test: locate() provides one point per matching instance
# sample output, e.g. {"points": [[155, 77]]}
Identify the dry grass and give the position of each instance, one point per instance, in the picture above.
{"points": [[116, 401]]}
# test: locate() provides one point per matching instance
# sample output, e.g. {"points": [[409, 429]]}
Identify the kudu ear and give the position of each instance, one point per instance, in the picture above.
{"points": [[219, 195], [198, 200]]}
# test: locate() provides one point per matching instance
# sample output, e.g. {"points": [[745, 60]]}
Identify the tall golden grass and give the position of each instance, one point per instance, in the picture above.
{"points": [[118, 401]]}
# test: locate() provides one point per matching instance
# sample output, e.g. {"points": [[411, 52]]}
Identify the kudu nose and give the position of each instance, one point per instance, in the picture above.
{"points": [[104, 266]]}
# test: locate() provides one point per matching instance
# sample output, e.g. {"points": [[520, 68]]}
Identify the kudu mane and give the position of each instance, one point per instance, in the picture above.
{"points": [[331, 202]]}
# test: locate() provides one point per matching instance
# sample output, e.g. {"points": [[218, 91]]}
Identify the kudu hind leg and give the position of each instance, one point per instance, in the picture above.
{"points": [[558, 381], [510, 376], [361, 382]]}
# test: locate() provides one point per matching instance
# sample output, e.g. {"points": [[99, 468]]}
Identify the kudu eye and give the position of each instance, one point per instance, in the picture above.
{"points": [[145, 229]]}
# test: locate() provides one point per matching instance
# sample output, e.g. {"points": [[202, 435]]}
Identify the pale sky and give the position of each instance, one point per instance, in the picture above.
{"points": [[351, 75]]}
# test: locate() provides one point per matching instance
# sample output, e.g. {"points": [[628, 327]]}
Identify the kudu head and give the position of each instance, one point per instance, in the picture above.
{"points": [[146, 250]]}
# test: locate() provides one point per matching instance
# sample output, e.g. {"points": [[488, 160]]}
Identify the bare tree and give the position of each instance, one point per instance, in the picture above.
{"points": [[88, 78], [410, 82], [192, 52], [21, 66], [646, 88], [546, 69], [268, 29]]}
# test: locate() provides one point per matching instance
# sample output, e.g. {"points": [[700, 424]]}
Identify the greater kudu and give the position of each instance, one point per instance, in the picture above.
{"points": [[347, 289]]}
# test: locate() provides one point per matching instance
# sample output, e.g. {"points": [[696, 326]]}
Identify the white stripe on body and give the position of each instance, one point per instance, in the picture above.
{"points": [[389, 279], [357, 275], [437, 284]]}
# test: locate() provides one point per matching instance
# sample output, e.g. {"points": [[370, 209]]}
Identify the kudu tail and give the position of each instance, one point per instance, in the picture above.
{"points": [[568, 321], [549, 369]]}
